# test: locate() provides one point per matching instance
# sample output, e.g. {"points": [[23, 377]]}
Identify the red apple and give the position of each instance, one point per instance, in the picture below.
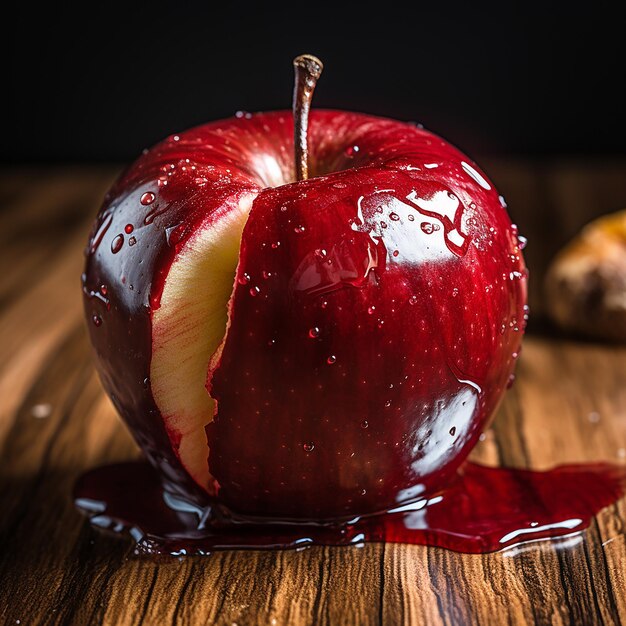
{"points": [[343, 340]]}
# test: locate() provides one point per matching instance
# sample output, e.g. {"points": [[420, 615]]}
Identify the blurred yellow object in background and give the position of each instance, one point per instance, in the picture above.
{"points": [[586, 282]]}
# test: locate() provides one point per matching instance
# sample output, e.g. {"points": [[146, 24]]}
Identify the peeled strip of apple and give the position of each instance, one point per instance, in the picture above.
{"points": [[586, 283], [187, 329], [173, 192]]}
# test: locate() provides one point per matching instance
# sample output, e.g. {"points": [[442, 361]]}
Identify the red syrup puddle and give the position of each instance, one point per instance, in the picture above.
{"points": [[484, 510]]}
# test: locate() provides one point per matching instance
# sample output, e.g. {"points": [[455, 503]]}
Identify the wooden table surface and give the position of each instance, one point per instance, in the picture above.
{"points": [[568, 405]]}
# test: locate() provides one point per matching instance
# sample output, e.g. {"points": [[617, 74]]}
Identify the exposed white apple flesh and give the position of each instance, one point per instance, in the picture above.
{"points": [[188, 328]]}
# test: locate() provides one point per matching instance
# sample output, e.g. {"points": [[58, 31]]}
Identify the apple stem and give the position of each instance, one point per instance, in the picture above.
{"points": [[307, 69]]}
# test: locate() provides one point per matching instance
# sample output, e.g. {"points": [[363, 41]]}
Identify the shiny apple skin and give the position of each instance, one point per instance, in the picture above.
{"points": [[345, 387]]}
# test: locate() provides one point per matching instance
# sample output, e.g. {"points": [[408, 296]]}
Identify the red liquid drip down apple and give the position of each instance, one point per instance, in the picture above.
{"points": [[307, 353]]}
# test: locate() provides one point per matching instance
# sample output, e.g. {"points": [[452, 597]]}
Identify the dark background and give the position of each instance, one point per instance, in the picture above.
{"points": [[102, 82]]}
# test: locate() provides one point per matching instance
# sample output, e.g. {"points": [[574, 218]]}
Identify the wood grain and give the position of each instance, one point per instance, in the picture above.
{"points": [[569, 404]]}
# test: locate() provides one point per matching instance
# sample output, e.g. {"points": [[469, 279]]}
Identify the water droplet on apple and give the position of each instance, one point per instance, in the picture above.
{"points": [[387, 404], [173, 234], [453, 431], [396, 252], [502, 201], [275, 245], [254, 291], [351, 151], [314, 332], [309, 446], [411, 218], [521, 242], [380, 323], [132, 241], [510, 382], [413, 300], [371, 309], [244, 279], [324, 304], [104, 290], [364, 424], [152, 215], [97, 320], [394, 217], [427, 228], [383, 224], [147, 198], [455, 292], [117, 243], [299, 229], [320, 253], [331, 359]]}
